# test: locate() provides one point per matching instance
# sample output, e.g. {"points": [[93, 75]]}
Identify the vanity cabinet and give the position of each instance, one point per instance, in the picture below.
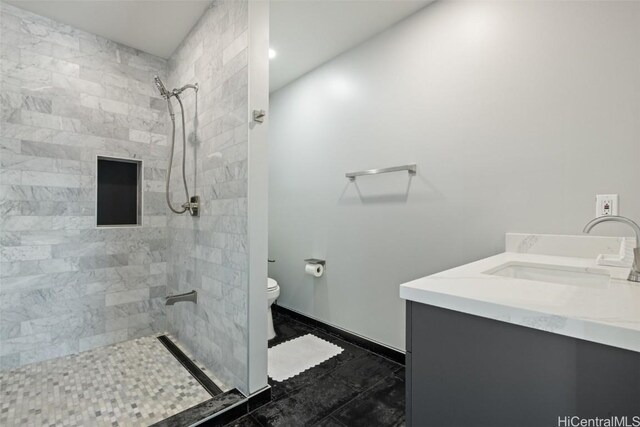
{"points": [[466, 370]]}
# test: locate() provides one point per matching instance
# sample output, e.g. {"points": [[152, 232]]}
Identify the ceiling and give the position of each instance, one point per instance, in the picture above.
{"points": [[307, 33], [156, 27], [304, 33]]}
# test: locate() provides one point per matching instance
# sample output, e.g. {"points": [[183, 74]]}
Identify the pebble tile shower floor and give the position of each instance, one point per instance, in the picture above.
{"points": [[133, 383]]}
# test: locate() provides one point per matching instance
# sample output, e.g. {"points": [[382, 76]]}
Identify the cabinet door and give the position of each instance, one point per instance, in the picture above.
{"points": [[471, 371]]}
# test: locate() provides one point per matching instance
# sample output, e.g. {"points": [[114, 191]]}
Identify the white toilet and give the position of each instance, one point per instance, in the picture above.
{"points": [[273, 292]]}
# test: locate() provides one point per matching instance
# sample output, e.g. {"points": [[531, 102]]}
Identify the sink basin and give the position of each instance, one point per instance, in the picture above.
{"points": [[562, 275]]}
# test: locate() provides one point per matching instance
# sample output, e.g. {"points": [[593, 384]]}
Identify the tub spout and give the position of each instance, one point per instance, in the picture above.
{"points": [[189, 296]]}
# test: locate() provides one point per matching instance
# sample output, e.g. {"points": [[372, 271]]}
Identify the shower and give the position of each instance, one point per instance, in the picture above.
{"points": [[192, 203]]}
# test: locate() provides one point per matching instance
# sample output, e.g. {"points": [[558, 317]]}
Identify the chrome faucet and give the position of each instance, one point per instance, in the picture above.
{"points": [[634, 275]]}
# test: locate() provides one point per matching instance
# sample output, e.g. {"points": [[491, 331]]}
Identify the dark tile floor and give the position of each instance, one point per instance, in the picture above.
{"points": [[355, 388]]}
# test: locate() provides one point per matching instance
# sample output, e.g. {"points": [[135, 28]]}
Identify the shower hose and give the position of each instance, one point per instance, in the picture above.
{"points": [[187, 205]]}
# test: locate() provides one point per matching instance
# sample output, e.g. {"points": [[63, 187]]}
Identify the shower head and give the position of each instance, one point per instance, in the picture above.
{"points": [[163, 91]]}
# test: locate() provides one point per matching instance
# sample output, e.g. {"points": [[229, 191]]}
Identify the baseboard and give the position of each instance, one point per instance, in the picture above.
{"points": [[260, 398], [374, 347], [235, 412]]}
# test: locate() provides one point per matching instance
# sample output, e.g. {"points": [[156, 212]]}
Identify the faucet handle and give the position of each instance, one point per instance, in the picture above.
{"points": [[622, 259], [634, 275]]}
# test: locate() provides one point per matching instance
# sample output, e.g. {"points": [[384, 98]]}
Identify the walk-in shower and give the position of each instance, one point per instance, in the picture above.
{"points": [[87, 309], [192, 203]]}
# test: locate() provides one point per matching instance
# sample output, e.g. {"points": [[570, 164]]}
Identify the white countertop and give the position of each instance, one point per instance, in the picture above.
{"points": [[607, 314]]}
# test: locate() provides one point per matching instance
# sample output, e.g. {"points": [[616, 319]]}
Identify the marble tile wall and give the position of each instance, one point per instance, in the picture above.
{"points": [[209, 253], [66, 97]]}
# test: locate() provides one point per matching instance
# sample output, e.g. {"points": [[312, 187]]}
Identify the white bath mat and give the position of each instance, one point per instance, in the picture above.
{"points": [[292, 357]]}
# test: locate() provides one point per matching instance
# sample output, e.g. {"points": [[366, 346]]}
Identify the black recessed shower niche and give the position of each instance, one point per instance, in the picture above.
{"points": [[119, 198]]}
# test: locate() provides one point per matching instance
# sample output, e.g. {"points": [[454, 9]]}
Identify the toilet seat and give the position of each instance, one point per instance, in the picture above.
{"points": [[271, 284]]}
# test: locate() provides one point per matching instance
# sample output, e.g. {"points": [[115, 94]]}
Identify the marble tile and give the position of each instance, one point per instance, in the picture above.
{"points": [[41, 105], [127, 296], [47, 352], [27, 223], [102, 261], [136, 382], [217, 271], [8, 269], [23, 343], [42, 149], [235, 47], [73, 222], [95, 102], [19, 131], [140, 136], [24, 253], [87, 343], [10, 238], [65, 100], [9, 361], [49, 63], [51, 179], [78, 249], [55, 208], [77, 85]]}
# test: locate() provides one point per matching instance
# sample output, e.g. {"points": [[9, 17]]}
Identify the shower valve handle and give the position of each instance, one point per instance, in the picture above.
{"points": [[193, 206]]}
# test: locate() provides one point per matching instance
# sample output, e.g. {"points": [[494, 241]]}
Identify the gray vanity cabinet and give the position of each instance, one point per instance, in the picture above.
{"points": [[465, 370]]}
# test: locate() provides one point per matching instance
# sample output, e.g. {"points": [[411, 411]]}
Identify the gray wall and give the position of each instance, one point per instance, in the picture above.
{"points": [[210, 253], [68, 96], [517, 114]]}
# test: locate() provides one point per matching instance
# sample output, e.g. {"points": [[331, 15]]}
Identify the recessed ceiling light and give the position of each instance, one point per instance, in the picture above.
{"points": [[272, 53]]}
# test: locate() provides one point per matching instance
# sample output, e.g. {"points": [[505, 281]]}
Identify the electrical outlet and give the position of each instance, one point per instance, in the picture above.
{"points": [[606, 205]]}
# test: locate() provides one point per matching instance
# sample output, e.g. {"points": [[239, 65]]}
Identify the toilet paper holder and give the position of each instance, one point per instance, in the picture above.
{"points": [[316, 261]]}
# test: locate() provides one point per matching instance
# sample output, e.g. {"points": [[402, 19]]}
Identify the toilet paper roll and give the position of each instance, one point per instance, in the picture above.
{"points": [[314, 269]]}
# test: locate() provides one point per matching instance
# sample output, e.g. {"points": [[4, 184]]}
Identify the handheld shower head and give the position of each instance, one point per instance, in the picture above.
{"points": [[191, 204], [163, 91]]}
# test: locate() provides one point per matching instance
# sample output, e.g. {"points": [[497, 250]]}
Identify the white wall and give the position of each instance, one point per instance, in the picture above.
{"points": [[517, 114], [257, 193]]}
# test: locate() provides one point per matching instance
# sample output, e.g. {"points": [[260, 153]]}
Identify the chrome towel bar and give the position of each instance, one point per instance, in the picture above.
{"points": [[409, 168]]}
